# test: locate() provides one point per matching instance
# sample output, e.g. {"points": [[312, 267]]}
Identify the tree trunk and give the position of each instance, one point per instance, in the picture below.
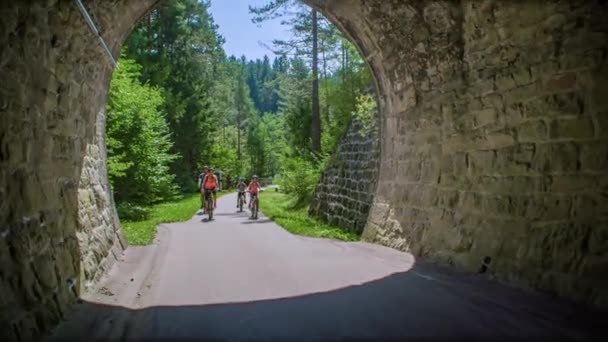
{"points": [[150, 33], [343, 50], [327, 105], [238, 136], [316, 119]]}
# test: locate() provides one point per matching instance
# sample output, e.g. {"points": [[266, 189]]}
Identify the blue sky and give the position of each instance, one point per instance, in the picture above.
{"points": [[241, 35]]}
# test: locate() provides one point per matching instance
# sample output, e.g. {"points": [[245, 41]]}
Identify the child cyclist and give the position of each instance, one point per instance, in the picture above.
{"points": [[253, 189], [241, 187]]}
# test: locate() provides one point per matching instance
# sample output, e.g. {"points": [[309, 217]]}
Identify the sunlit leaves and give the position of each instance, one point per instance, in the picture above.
{"points": [[138, 138]]}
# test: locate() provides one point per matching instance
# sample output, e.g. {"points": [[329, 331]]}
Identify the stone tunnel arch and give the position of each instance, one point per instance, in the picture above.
{"points": [[494, 128]]}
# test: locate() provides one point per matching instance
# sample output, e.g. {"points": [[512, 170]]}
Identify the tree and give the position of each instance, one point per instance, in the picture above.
{"points": [[295, 105], [138, 139], [316, 116], [243, 105], [340, 93], [260, 116], [305, 24], [180, 50]]}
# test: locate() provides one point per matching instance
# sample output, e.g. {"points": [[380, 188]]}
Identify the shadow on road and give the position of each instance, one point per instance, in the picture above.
{"points": [[401, 305], [258, 221], [235, 213]]}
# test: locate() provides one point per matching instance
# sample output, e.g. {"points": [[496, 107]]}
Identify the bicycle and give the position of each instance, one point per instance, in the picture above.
{"points": [[209, 201], [254, 206], [241, 201]]}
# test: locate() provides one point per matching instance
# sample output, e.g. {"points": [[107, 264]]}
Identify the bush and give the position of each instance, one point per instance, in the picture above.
{"points": [[299, 178], [132, 212], [138, 139], [188, 185]]}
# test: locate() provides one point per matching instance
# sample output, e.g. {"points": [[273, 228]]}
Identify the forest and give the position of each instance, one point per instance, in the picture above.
{"points": [[177, 102]]}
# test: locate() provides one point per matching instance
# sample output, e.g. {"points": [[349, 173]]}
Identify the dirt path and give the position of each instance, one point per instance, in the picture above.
{"points": [[234, 278]]}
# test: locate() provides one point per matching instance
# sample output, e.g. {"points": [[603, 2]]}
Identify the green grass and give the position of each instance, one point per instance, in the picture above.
{"points": [[143, 232], [281, 209]]}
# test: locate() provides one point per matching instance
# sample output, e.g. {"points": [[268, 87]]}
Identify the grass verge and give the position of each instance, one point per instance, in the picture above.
{"points": [[281, 209], [143, 232]]}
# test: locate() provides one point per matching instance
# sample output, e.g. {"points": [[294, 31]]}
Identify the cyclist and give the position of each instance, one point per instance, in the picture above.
{"points": [[253, 189], [241, 187], [210, 184], [201, 179]]}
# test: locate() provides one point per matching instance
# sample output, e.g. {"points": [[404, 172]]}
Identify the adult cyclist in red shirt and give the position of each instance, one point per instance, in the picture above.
{"points": [[210, 183]]}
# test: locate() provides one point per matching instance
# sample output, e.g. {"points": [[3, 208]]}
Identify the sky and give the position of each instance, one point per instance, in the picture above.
{"points": [[241, 35]]}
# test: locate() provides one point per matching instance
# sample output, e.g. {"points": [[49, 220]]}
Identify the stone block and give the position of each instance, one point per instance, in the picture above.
{"points": [[594, 266], [598, 239], [522, 93], [44, 268], [481, 162], [575, 128], [561, 82], [484, 117], [497, 140], [532, 131], [506, 82], [522, 76], [555, 158], [496, 205], [572, 183], [585, 41], [562, 104], [594, 155], [590, 205]]}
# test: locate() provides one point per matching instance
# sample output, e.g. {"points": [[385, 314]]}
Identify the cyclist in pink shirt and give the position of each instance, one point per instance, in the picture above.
{"points": [[253, 188]]}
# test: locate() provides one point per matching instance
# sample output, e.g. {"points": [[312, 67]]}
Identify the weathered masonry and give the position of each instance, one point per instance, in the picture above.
{"points": [[345, 192], [493, 138]]}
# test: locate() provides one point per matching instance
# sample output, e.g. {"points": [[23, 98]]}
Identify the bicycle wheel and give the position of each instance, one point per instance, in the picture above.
{"points": [[210, 206], [241, 204]]}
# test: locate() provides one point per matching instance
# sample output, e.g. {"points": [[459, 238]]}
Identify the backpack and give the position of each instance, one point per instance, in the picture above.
{"points": [[200, 180]]}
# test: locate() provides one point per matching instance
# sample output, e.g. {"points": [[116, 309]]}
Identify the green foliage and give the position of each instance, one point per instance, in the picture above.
{"points": [[180, 50], [294, 218], [132, 212], [224, 158], [138, 139], [366, 111], [339, 94], [297, 16], [266, 144], [295, 104], [143, 232], [262, 82], [299, 178], [240, 116]]}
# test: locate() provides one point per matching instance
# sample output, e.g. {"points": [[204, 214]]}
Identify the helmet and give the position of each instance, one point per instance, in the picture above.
{"points": [[254, 176], [210, 168], [241, 178], [205, 167]]}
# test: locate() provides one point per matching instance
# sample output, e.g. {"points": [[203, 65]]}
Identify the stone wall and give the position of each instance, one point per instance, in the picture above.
{"points": [[347, 186], [53, 235], [494, 136], [98, 232]]}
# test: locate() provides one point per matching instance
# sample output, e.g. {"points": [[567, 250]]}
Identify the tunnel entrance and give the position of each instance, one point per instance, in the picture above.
{"points": [[492, 126]]}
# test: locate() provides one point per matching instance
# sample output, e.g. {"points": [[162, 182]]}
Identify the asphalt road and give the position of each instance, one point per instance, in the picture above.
{"points": [[234, 278]]}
